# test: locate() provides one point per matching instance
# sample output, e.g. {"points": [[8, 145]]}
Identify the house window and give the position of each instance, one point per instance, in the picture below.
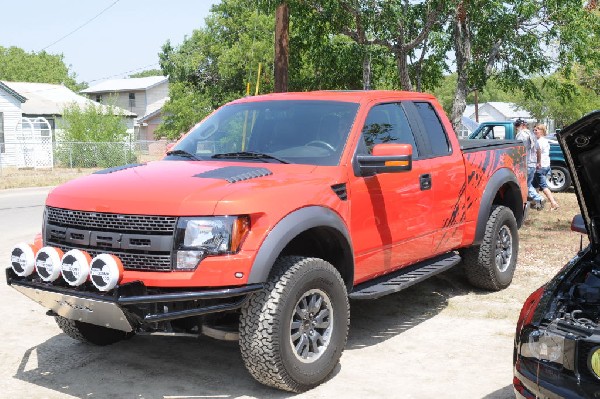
{"points": [[131, 100], [99, 98], [2, 148]]}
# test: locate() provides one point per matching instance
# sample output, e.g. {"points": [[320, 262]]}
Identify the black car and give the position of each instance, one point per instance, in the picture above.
{"points": [[557, 343]]}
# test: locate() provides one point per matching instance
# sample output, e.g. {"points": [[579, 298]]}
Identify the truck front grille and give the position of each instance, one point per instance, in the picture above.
{"points": [[111, 221], [142, 242]]}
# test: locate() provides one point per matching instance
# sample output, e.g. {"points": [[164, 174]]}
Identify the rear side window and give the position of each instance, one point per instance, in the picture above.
{"points": [[387, 123], [433, 128]]}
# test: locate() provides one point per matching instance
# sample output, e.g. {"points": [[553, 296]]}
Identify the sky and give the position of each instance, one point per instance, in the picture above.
{"points": [[123, 36]]}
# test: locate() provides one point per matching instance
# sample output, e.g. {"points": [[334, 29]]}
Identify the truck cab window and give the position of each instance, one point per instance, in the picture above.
{"points": [[433, 129], [387, 123]]}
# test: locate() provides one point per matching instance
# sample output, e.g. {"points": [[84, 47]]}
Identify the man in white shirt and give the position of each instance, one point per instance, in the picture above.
{"points": [[534, 161]]}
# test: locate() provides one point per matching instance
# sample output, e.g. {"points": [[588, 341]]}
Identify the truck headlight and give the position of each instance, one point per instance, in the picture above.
{"points": [[198, 237]]}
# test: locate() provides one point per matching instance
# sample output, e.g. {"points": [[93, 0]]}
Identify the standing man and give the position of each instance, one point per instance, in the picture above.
{"points": [[534, 161]]}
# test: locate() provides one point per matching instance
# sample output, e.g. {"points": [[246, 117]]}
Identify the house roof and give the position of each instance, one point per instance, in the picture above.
{"points": [[12, 92], [51, 99], [131, 84], [509, 110], [153, 110]]}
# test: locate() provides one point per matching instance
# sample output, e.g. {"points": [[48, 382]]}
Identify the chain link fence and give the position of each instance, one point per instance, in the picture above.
{"points": [[78, 155]]}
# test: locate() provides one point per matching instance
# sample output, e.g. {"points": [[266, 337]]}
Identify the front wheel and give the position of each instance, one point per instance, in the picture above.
{"points": [[90, 333], [559, 179], [293, 332], [492, 264]]}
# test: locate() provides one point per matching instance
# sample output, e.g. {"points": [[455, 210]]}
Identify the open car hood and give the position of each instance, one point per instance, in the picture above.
{"points": [[581, 145]]}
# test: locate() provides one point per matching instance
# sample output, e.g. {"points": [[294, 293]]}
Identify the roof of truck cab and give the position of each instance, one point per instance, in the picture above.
{"points": [[357, 96]]}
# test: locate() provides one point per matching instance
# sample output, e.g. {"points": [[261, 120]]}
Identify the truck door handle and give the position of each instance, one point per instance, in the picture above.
{"points": [[425, 181]]}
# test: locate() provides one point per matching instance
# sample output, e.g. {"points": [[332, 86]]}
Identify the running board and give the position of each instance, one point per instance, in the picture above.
{"points": [[405, 277]]}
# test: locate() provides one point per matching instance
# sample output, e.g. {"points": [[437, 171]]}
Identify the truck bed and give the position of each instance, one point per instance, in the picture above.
{"points": [[467, 145]]}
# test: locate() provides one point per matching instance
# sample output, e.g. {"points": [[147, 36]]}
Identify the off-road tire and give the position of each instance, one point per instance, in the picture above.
{"points": [[265, 324], [90, 333], [480, 261]]}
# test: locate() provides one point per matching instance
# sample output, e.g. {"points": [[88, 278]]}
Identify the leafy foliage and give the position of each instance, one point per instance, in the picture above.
{"points": [[17, 65], [100, 132]]}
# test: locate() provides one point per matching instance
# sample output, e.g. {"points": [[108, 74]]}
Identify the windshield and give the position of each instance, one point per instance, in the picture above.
{"points": [[288, 131]]}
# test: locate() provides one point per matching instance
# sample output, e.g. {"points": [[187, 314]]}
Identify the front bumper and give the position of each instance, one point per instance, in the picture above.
{"points": [[131, 305]]}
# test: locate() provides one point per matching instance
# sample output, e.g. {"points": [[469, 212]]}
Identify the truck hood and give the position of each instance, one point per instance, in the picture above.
{"points": [[581, 145], [176, 188]]}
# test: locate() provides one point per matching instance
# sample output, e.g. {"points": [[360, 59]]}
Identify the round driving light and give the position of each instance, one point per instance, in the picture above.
{"points": [[106, 271], [75, 267], [594, 362], [47, 263], [22, 259]]}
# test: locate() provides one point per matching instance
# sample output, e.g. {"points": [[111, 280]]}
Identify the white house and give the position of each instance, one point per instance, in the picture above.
{"points": [[30, 115], [495, 111], [142, 96], [10, 118]]}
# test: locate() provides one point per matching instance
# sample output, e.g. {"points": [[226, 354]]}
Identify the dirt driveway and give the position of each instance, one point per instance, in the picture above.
{"points": [[439, 339]]}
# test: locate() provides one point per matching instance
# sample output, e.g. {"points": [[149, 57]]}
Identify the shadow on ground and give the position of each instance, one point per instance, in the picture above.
{"points": [[148, 367]]}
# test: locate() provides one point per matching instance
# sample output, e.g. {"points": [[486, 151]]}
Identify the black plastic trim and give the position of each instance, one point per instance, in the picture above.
{"points": [[497, 180], [287, 229]]}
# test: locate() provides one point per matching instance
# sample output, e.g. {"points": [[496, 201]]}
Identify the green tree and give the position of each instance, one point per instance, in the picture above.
{"points": [[17, 65], [513, 41], [563, 99], [93, 135], [214, 64]]}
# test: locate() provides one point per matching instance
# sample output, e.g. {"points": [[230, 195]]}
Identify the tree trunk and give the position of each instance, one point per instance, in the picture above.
{"points": [[462, 50], [402, 63], [282, 23], [367, 71]]}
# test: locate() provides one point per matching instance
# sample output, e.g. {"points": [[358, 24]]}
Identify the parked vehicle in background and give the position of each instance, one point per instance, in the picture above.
{"points": [[268, 216], [559, 179], [557, 343]]}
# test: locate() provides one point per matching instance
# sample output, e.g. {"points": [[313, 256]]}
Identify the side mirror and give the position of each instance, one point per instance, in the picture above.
{"points": [[578, 225], [169, 147], [386, 158]]}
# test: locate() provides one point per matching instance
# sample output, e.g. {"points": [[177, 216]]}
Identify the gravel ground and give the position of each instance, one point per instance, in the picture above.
{"points": [[439, 339]]}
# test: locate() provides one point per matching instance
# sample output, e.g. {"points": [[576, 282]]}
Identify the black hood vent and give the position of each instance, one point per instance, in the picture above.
{"points": [[234, 174], [340, 191]]}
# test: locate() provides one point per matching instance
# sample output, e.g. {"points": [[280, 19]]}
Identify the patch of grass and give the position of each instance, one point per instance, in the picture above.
{"points": [[546, 244], [20, 178]]}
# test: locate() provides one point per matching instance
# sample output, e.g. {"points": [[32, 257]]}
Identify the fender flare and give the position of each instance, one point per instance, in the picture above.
{"points": [[497, 180], [287, 229]]}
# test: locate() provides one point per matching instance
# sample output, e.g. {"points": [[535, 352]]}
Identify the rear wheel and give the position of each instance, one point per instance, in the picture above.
{"points": [[559, 179], [293, 332], [91, 333], [491, 265]]}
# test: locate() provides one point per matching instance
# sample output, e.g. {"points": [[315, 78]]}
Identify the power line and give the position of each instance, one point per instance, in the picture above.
{"points": [[80, 26]]}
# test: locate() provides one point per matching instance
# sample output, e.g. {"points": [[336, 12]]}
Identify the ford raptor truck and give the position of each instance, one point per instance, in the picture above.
{"points": [[267, 217]]}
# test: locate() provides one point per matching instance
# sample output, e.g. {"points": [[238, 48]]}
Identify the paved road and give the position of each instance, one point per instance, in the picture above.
{"points": [[401, 346]]}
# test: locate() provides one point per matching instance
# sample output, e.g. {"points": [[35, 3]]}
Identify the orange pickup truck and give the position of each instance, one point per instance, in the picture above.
{"points": [[267, 217]]}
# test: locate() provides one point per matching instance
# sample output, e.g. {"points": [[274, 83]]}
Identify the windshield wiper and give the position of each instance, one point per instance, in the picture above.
{"points": [[183, 153], [248, 155]]}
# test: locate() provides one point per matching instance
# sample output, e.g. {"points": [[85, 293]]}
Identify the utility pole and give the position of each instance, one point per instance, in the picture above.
{"points": [[282, 24]]}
